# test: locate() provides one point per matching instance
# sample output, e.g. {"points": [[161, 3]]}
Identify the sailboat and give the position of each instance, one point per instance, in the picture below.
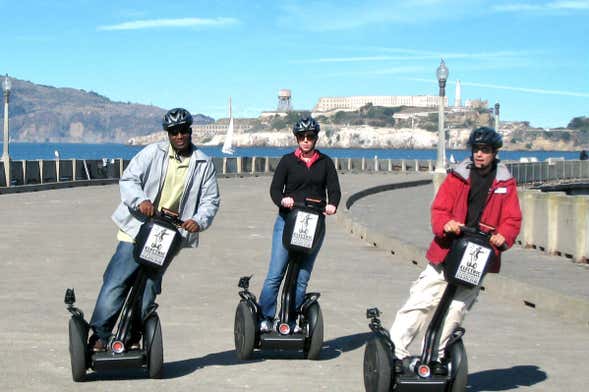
{"points": [[227, 145]]}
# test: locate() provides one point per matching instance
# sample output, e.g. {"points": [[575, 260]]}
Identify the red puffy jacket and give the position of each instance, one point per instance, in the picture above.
{"points": [[501, 211]]}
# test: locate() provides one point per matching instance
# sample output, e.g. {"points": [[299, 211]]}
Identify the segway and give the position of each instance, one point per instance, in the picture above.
{"points": [[466, 265], [304, 227], [156, 245]]}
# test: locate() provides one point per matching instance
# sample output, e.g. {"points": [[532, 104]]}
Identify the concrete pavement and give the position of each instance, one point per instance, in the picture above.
{"points": [[63, 238]]}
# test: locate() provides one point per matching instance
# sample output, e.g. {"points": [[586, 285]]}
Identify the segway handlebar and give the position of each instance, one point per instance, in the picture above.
{"points": [[486, 235], [170, 216], [317, 205]]}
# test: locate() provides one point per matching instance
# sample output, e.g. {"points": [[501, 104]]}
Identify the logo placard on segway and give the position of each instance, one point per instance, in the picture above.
{"points": [[158, 244], [304, 229], [473, 263]]}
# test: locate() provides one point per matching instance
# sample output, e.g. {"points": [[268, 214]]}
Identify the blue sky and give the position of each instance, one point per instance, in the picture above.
{"points": [[530, 56]]}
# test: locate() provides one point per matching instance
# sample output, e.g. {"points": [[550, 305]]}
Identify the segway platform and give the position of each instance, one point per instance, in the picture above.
{"points": [[274, 340], [108, 360]]}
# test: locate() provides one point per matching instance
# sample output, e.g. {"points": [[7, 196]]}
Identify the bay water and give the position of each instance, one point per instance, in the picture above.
{"points": [[31, 151]]}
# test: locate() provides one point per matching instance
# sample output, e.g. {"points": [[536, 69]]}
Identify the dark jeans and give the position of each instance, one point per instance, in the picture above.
{"points": [[117, 280]]}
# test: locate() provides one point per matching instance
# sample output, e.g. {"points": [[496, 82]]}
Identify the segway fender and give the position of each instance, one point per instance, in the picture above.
{"points": [[310, 299]]}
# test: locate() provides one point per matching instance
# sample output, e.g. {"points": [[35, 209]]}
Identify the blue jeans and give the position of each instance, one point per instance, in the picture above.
{"points": [[278, 263], [117, 280]]}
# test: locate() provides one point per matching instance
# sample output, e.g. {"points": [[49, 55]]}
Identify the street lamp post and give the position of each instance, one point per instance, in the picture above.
{"points": [[497, 116], [6, 86], [440, 172]]}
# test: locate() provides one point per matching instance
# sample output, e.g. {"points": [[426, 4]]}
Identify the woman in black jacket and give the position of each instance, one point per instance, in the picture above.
{"points": [[304, 173]]}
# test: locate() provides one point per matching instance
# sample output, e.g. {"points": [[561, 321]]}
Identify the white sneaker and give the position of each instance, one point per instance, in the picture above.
{"points": [[265, 326], [297, 329]]}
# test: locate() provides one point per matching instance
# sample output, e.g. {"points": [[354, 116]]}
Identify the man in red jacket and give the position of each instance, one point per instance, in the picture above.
{"points": [[481, 193]]}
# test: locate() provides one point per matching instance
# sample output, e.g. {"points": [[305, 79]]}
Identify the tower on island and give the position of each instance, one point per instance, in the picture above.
{"points": [[284, 100], [458, 96]]}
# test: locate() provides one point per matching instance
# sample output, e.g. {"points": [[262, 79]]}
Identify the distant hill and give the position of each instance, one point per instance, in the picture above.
{"points": [[41, 113]]}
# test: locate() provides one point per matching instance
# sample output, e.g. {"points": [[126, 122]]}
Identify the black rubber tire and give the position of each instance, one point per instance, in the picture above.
{"points": [[377, 366], [154, 346], [244, 331], [459, 367], [78, 334], [313, 343]]}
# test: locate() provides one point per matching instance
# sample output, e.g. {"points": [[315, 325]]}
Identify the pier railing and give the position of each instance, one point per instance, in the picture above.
{"points": [[32, 175], [26, 175]]}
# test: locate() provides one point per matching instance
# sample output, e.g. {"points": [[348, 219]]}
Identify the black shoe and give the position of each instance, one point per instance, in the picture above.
{"points": [[398, 366], [439, 369], [96, 345], [135, 343]]}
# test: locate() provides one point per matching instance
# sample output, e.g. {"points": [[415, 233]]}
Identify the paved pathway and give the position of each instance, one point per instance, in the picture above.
{"points": [[63, 238]]}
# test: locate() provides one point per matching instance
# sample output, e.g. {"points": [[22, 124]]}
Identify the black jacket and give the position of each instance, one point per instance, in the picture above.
{"points": [[293, 179]]}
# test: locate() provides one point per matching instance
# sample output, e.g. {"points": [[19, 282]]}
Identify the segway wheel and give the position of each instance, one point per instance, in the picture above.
{"points": [[313, 343], [78, 348], [459, 367], [377, 366], [154, 346], [244, 330]]}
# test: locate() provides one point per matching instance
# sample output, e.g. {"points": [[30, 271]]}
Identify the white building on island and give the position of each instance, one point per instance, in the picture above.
{"points": [[328, 104]]}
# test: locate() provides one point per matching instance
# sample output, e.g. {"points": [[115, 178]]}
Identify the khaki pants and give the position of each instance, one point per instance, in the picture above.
{"points": [[424, 296]]}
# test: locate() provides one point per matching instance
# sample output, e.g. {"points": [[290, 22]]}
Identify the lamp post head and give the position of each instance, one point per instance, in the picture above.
{"points": [[442, 72], [6, 84]]}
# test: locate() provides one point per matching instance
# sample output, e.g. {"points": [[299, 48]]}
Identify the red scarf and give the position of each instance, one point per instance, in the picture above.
{"points": [[299, 154]]}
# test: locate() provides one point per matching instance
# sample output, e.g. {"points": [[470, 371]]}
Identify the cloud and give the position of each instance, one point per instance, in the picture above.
{"points": [[513, 88], [416, 55], [346, 15], [164, 23], [550, 6], [382, 71]]}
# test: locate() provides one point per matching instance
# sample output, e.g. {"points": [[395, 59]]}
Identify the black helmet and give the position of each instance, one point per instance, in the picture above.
{"points": [[306, 124], [485, 135], [177, 117]]}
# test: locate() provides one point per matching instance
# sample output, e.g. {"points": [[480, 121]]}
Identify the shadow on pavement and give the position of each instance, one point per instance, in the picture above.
{"points": [[331, 349], [505, 379], [335, 347]]}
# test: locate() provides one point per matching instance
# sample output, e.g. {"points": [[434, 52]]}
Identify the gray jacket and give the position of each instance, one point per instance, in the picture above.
{"points": [[143, 180]]}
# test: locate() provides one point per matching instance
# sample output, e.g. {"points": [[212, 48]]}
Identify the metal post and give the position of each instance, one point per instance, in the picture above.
{"points": [[497, 116], [440, 172], [6, 140], [40, 171]]}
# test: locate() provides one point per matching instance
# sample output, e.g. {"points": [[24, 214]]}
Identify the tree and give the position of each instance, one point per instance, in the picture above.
{"points": [[580, 123]]}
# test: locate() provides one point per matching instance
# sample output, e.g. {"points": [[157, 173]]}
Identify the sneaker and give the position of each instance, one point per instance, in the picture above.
{"points": [[134, 343], [266, 326], [99, 346], [439, 369], [297, 329], [398, 366]]}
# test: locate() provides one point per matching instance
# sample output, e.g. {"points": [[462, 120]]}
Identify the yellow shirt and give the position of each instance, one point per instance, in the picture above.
{"points": [[172, 189]]}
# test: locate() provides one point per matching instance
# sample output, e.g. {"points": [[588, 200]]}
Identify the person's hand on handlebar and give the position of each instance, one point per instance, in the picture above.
{"points": [[497, 239], [147, 208], [453, 227], [287, 202], [190, 226], [330, 209]]}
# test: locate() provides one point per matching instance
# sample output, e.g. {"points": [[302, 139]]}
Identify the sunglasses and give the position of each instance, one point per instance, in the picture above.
{"points": [[484, 149], [176, 130], [309, 136]]}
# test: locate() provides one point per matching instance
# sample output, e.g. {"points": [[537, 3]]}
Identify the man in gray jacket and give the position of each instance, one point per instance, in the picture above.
{"points": [[173, 175]]}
